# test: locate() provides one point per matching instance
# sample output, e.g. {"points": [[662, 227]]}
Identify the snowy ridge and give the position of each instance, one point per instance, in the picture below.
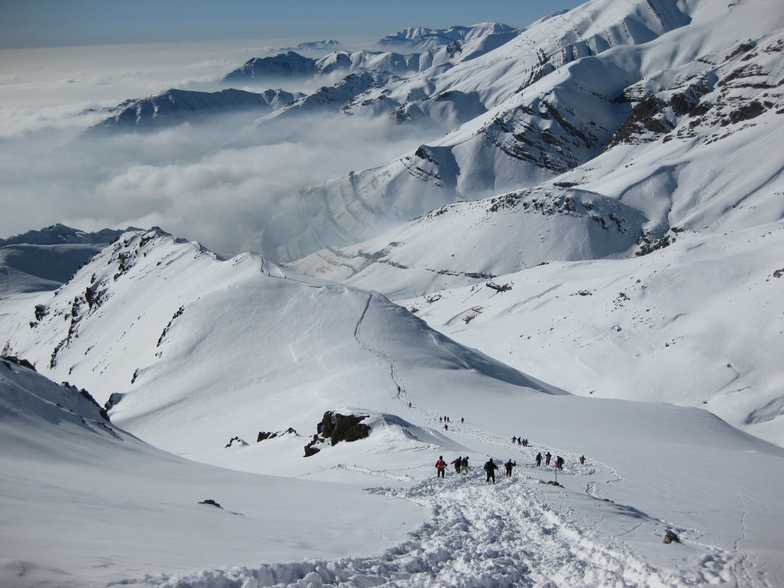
{"points": [[538, 226], [45, 259], [423, 38], [89, 331], [557, 121], [258, 348], [175, 107]]}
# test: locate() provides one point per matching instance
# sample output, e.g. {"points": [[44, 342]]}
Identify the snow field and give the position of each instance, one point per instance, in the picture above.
{"points": [[517, 532]]}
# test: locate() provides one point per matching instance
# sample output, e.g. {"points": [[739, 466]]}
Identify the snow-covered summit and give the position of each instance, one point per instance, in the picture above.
{"points": [[174, 107], [45, 259], [424, 39], [59, 234]]}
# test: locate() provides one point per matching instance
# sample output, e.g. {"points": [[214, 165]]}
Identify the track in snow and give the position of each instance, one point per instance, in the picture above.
{"points": [[517, 532]]}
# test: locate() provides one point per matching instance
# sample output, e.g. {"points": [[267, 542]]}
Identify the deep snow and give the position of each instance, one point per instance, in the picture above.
{"points": [[262, 349]]}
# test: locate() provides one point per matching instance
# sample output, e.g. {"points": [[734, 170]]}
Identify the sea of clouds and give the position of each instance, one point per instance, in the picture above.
{"points": [[194, 180]]}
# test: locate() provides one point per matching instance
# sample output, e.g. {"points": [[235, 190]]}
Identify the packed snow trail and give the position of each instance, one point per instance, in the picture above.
{"points": [[489, 535]]}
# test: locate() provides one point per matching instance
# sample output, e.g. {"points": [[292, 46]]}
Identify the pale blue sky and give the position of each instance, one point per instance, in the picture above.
{"points": [[31, 23]]}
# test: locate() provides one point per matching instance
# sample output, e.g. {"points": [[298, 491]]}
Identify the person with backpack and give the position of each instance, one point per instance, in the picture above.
{"points": [[490, 468], [464, 465], [458, 463], [547, 457], [440, 466], [509, 465], [538, 459]]}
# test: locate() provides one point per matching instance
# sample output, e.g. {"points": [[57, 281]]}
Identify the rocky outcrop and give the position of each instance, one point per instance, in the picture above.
{"points": [[337, 427]]}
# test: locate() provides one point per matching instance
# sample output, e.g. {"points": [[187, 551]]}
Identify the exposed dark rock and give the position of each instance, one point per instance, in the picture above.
{"points": [[671, 537], [746, 112], [15, 360], [114, 399], [338, 427], [264, 435], [211, 502], [236, 440]]}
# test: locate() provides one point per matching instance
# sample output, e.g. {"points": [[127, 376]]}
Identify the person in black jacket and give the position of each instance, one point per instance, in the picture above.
{"points": [[490, 468]]}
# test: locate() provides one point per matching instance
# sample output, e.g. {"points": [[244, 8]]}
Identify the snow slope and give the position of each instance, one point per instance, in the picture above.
{"points": [[637, 117], [232, 347], [694, 160], [86, 504]]}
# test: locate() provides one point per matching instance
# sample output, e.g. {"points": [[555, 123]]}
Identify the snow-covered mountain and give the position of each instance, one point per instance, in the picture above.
{"points": [[680, 91], [424, 39], [690, 159], [174, 107], [237, 362], [45, 259], [590, 258]]}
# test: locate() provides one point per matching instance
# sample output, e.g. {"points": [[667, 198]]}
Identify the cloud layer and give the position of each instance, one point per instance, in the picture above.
{"points": [[192, 180]]}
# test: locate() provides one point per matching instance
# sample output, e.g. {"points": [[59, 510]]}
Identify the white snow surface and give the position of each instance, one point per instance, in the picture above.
{"points": [[520, 310], [256, 348]]}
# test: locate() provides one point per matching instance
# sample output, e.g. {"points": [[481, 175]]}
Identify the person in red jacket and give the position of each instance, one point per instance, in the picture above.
{"points": [[458, 463], [441, 466]]}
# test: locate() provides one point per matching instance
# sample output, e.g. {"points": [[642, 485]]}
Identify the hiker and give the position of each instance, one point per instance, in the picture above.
{"points": [[509, 465], [582, 460], [525, 442], [490, 468], [458, 463], [559, 462], [514, 440], [539, 459], [547, 457], [465, 465], [440, 466]]}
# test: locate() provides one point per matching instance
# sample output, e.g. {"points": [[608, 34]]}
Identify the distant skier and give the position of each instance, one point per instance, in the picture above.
{"points": [[440, 466], [458, 463], [547, 457], [509, 465], [490, 468], [539, 459]]}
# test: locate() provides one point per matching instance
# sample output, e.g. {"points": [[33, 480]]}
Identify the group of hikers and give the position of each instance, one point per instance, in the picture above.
{"points": [[461, 465]]}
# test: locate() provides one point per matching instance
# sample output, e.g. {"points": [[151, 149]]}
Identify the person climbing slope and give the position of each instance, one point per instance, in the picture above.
{"points": [[490, 468], [440, 466]]}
